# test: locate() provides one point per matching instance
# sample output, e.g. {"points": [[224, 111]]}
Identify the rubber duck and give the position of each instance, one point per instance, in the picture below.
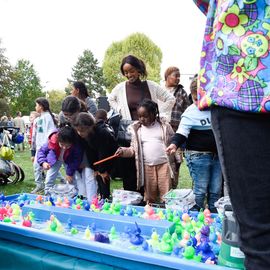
{"points": [[87, 233], [166, 244], [112, 234], [154, 241]]}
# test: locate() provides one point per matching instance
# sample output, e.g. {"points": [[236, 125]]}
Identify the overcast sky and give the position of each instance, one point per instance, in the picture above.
{"points": [[52, 34]]}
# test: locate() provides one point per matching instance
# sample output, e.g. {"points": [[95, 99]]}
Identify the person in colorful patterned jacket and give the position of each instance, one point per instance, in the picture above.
{"points": [[234, 82]]}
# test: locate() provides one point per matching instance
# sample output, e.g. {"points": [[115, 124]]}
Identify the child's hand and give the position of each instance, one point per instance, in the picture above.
{"points": [[32, 159], [171, 149], [105, 177], [119, 152], [69, 179], [46, 166]]}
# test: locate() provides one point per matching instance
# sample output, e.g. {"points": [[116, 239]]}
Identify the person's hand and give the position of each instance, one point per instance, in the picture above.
{"points": [[69, 179], [46, 166], [171, 149], [32, 159], [105, 177], [119, 152]]}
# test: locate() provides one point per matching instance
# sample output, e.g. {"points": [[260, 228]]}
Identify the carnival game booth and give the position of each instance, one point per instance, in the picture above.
{"points": [[68, 237]]}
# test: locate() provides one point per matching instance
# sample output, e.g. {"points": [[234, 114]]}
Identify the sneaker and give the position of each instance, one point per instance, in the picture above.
{"points": [[37, 189], [63, 181], [47, 193], [195, 208], [213, 210]]}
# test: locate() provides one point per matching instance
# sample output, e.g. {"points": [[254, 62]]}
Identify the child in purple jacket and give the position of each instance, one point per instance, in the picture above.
{"points": [[62, 147]]}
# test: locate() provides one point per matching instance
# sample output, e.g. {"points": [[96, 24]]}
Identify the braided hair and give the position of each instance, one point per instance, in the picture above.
{"points": [[151, 107]]}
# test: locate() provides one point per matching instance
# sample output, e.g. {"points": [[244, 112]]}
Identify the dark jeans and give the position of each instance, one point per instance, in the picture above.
{"points": [[103, 188], [125, 168], [243, 141]]}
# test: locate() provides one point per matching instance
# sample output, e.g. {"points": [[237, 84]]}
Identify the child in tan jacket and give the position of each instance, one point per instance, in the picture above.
{"points": [[150, 137]]}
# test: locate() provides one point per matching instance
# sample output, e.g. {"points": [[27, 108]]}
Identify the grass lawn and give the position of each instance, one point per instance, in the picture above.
{"points": [[23, 159]]}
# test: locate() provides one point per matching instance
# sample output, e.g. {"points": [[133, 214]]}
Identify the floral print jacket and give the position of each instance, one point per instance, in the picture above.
{"points": [[235, 60]]}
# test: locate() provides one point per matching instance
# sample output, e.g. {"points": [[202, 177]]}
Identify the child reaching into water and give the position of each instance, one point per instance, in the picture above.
{"points": [[150, 137], [62, 147]]}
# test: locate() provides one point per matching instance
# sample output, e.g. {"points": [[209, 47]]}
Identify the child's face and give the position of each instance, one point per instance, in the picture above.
{"points": [[64, 146], [70, 117], [84, 131], [145, 118], [39, 109], [32, 117]]}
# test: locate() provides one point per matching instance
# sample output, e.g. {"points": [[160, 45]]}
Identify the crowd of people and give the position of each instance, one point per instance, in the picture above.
{"points": [[149, 161], [162, 125], [17, 126], [223, 127]]}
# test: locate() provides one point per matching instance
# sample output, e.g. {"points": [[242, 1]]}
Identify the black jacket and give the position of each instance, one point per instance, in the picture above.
{"points": [[99, 145]]}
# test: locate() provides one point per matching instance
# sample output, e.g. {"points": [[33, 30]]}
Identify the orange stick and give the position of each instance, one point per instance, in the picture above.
{"points": [[105, 159]]}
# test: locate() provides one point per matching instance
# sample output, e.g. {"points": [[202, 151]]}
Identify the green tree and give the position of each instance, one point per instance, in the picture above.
{"points": [[26, 87], [68, 89], [88, 71], [55, 98], [139, 45], [6, 74], [4, 108]]}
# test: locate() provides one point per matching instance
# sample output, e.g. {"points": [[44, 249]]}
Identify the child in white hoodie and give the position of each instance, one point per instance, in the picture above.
{"points": [[45, 124]]}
